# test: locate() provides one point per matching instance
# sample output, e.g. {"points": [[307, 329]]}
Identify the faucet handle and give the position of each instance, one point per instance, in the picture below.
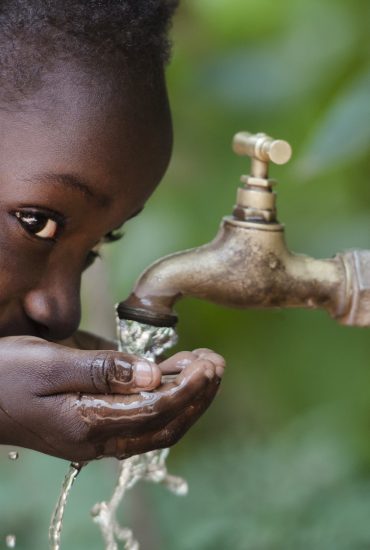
{"points": [[256, 200], [262, 149]]}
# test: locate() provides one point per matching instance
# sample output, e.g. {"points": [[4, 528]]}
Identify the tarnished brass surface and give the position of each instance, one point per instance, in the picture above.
{"points": [[248, 265]]}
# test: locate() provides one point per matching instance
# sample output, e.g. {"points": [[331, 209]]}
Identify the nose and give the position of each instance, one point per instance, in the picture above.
{"points": [[54, 305]]}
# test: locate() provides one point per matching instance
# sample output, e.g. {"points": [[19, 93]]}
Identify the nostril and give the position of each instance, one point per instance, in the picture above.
{"points": [[44, 332], [57, 330]]}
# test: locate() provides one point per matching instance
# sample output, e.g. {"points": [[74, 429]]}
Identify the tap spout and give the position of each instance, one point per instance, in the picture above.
{"points": [[247, 265]]}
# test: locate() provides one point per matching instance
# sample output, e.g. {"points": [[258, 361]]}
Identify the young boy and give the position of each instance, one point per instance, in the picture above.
{"points": [[85, 139]]}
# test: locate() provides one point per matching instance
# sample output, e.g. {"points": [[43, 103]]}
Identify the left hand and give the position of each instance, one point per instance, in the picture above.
{"points": [[85, 404]]}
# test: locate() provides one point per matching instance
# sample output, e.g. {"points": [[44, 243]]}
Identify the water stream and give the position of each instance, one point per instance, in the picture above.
{"points": [[11, 540], [56, 522]]}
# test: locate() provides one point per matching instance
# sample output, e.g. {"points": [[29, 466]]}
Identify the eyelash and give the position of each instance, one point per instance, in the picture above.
{"points": [[110, 237], [92, 255]]}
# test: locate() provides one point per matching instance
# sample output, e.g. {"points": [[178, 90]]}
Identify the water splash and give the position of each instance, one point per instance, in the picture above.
{"points": [[146, 467], [56, 522], [149, 342], [144, 340], [10, 541]]}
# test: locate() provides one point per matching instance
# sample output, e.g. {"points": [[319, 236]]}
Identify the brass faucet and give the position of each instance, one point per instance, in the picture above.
{"points": [[248, 264]]}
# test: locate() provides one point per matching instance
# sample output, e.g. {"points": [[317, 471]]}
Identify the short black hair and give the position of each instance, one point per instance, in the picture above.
{"points": [[98, 34]]}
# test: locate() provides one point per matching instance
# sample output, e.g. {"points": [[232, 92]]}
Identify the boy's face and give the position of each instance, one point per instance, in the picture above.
{"points": [[75, 164]]}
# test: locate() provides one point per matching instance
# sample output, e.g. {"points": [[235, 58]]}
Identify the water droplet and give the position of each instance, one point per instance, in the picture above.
{"points": [[10, 541], [13, 455]]}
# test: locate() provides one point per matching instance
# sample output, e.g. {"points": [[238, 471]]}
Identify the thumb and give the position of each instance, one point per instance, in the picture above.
{"points": [[67, 370], [106, 372]]}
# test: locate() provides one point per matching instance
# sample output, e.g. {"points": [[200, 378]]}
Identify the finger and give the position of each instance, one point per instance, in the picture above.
{"points": [[64, 370], [177, 362], [209, 354], [113, 414], [123, 447]]}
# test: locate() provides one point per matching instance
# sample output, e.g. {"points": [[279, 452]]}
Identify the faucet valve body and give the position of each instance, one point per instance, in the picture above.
{"points": [[256, 202]]}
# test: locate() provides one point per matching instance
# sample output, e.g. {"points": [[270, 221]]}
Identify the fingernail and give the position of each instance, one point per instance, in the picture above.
{"points": [[143, 374]]}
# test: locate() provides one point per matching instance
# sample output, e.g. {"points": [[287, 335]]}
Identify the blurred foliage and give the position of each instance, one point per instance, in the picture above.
{"points": [[300, 489], [281, 460]]}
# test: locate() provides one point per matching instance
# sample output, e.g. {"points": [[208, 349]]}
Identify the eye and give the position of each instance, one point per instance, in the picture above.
{"points": [[42, 225]]}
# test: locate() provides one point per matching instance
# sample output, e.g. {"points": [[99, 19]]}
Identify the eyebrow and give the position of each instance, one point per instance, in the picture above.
{"points": [[73, 182]]}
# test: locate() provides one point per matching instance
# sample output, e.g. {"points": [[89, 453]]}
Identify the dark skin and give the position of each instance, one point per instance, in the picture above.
{"points": [[76, 162]]}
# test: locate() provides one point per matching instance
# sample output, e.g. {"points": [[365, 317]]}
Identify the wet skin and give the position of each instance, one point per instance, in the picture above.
{"points": [[76, 162]]}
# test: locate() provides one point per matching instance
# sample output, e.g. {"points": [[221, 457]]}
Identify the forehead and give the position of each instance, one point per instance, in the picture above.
{"points": [[114, 137]]}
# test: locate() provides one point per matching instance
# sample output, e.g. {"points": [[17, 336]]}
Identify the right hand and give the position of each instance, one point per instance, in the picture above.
{"points": [[82, 405]]}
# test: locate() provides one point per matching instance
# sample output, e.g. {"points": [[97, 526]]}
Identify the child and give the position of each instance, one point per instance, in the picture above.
{"points": [[85, 139]]}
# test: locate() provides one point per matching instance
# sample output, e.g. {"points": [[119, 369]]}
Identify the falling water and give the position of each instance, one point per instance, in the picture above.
{"points": [[10, 540], [149, 342], [147, 467], [56, 522]]}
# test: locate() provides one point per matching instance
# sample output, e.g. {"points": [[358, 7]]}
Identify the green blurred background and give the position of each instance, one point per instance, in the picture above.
{"points": [[282, 459]]}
